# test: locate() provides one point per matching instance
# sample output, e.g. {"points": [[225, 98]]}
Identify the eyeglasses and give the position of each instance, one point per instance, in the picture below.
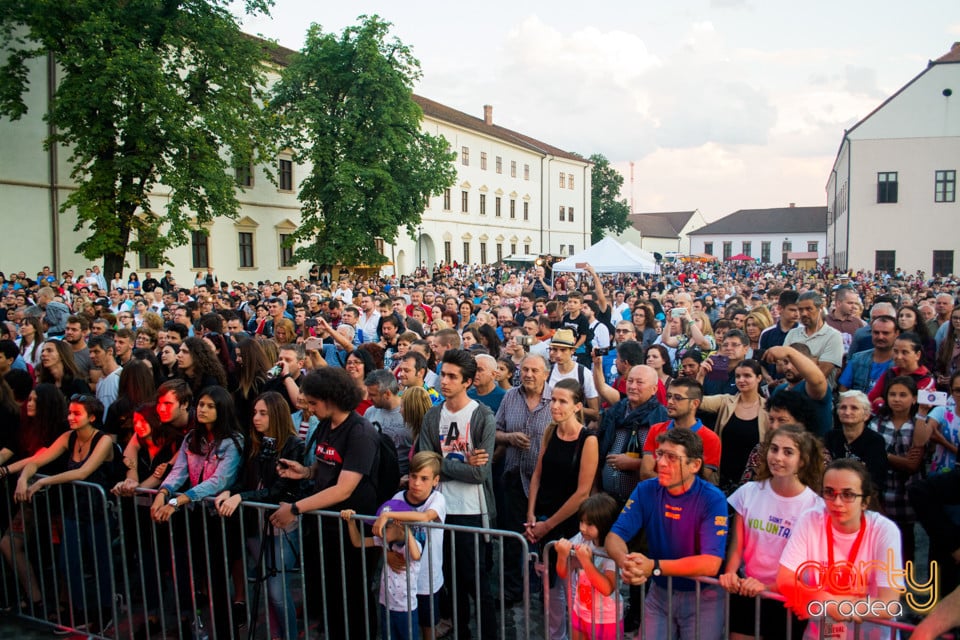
{"points": [[81, 397], [955, 390], [846, 495], [622, 331], [669, 456], [676, 398]]}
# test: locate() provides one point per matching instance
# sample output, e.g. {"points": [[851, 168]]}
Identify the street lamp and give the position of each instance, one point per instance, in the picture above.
{"points": [[419, 243]]}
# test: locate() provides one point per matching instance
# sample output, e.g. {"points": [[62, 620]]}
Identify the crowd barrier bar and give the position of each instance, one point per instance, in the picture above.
{"points": [[549, 555], [120, 586]]}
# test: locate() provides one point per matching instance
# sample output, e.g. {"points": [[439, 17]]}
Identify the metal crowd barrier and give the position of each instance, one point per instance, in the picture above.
{"points": [[892, 627], [103, 568]]}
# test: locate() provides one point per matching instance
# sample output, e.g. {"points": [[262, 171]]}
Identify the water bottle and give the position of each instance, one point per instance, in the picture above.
{"points": [[199, 631]]}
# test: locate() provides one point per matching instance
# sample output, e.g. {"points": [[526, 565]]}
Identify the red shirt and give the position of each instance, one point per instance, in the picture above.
{"points": [[711, 441]]}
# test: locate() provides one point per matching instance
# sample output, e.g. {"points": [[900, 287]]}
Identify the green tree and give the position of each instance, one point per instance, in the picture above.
{"points": [[152, 97], [348, 112], [609, 214]]}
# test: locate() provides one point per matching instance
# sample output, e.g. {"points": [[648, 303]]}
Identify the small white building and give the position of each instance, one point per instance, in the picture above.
{"points": [[662, 232], [892, 191], [767, 235]]}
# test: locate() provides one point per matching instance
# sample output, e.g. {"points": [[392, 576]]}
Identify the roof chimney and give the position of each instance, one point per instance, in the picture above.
{"points": [[488, 114], [793, 204]]}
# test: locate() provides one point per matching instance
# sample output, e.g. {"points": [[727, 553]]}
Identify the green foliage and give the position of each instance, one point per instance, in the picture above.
{"points": [[153, 97], [347, 111], [609, 215]]}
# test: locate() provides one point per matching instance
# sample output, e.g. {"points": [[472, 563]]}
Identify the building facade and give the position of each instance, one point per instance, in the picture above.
{"points": [[513, 194], [766, 235], [891, 194], [664, 232]]}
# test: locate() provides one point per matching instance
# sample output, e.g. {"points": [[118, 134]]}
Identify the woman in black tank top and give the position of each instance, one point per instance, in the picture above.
{"points": [[562, 480], [85, 527]]}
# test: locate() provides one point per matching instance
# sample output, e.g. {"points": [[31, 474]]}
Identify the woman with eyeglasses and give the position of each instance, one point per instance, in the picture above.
{"points": [[788, 483], [840, 539], [85, 525], [359, 363]]}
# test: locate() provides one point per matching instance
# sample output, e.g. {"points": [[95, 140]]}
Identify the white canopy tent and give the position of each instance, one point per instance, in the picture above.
{"points": [[609, 256]]}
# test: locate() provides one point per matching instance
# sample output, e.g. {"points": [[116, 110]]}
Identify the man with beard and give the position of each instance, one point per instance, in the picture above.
{"points": [[802, 375], [75, 334]]}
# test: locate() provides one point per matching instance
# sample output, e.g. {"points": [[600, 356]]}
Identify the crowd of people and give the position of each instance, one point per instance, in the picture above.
{"points": [[759, 425]]}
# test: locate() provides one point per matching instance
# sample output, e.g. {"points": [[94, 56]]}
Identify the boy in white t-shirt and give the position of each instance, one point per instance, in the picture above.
{"points": [[398, 602]]}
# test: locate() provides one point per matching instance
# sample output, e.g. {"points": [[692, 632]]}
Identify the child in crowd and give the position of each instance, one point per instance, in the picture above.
{"points": [[420, 502], [593, 581], [398, 605]]}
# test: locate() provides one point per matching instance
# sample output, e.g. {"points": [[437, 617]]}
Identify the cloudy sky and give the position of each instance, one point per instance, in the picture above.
{"points": [[719, 104]]}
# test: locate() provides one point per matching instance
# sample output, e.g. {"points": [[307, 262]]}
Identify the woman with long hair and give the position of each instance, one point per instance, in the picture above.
{"points": [[221, 350], [284, 332], [948, 355], [58, 367], [414, 404], [168, 362], [490, 340], [753, 326], [645, 322], [910, 319], [469, 337], [840, 540], [43, 418], [207, 463], [788, 483], [562, 479], [657, 356], [133, 283], [117, 282], [85, 524], [252, 368], [741, 421], [907, 356], [465, 318], [31, 338], [136, 386], [198, 365], [272, 438], [903, 425]]}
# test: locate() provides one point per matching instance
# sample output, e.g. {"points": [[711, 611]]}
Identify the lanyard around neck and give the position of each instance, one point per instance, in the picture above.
{"points": [[850, 577]]}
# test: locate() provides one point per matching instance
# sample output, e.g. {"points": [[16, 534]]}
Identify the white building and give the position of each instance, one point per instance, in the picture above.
{"points": [[767, 235], [891, 194], [513, 194], [663, 232]]}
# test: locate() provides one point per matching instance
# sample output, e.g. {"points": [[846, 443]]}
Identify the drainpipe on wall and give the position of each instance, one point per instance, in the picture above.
{"points": [[52, 159], [586, 236], [846, 258]]}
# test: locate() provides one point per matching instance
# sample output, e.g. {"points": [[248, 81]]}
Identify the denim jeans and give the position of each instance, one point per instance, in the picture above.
{"points": [[683, 614]]}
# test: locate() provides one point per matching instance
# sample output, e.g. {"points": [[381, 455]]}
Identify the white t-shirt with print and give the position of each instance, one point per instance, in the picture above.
{"points": [[463, 498]]}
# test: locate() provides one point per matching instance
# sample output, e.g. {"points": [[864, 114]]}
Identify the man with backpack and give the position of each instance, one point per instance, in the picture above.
{"points": [[463, 432]]}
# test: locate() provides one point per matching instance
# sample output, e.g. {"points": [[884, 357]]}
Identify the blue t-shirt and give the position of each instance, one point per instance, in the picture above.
{"points": [[492, 399], [822, 408], [693, 523]]}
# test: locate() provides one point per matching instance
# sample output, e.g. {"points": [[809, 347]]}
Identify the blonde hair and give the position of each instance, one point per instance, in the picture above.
{"points": [[414, 404]]}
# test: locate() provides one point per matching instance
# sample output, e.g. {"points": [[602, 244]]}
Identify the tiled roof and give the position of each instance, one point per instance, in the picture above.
{"points": [[281, 56], [436, 110], [777, 220], [661, 224], [951, 56]]}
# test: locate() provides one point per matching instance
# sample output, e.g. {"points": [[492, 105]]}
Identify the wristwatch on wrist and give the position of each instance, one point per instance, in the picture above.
{"points": [[656, 568], [294, 509], [173, 503]]}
